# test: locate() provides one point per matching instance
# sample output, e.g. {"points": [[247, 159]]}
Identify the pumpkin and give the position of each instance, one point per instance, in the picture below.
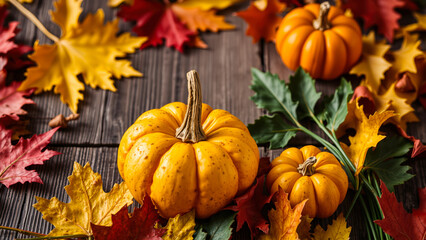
{"points": [[310, 174], [320, 39], [188, 156]]}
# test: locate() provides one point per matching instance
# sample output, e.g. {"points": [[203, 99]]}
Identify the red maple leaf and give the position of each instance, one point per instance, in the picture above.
{"points": [[377, 12], [262, 23], [397, 222], [249, 207], [139, 226], [15, 158], [8, 48], [11, 101], [157, 21]]}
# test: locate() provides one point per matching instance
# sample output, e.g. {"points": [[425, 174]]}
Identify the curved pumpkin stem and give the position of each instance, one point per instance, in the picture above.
{"points": [[322, 23], [307, 168], [191, 129]]}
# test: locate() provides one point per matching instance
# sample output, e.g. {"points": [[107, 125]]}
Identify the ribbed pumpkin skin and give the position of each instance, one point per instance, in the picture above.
{"points": [[325, 189], [180, 176], [325, 54]]}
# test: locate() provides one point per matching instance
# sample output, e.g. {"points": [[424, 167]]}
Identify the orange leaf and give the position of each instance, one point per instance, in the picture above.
{"points": [[284, 220], [366, 132], [197, 19], [262, 23]]}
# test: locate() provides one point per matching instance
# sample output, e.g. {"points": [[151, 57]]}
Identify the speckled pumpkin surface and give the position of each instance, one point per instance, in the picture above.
{"points": [[181, 175]]}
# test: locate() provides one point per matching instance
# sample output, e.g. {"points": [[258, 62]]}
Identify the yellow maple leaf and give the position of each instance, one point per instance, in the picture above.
{"points": [[116, 3], [89, 48], [403, 59], [366, 136], [420, 25], [336, 231], [391, 100], [180, 227], [372, 64], [208, 4], [284, 220], [303, 230], [89, 204], [203, 20], [3, 2]]}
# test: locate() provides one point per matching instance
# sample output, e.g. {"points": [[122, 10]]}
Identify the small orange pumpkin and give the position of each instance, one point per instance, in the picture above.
{"points": [[320, 39], [310, 174], [188, 157]]}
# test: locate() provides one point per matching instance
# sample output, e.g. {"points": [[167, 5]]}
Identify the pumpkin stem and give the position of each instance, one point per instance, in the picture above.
{"points": [[322, 23], [307, 168], [191, 129]]}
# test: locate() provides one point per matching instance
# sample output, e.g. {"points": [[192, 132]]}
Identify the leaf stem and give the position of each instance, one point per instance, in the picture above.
{"points": [[354, 201], [369, 220], [33, 19], [22, 231], [57, 237]]}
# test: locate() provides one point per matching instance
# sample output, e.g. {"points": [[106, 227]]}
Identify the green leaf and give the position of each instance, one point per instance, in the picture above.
{"points": [[302, 87], [273, 94], [336, 106], [217, 227], [387, 158], [272, 129], [199, 233]]}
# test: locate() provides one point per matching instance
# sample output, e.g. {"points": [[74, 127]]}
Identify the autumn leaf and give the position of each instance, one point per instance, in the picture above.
{"points": [[208, 4], [337, 230], [196, 19], [420, 25], [15, 158], [89, 48], [372, 64], [418, 148], [397, 222], [89, 204], [284, 220], [18, 127], [377, 12], [262, 23], [180, 227], [366, 132], [303, 230], [403, 59], [249, 208], [138, 226], [11, 101]]}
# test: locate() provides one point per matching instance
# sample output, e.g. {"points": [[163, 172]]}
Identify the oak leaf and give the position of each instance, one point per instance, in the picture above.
{"points": [[249, 208], [89, 204], [337, 230], [372, 64], [366, 132], [284, 220], [180, 227], [397, 222], [137, 226], [89, 48], [15, 158], [377, 12], [262, 23]]}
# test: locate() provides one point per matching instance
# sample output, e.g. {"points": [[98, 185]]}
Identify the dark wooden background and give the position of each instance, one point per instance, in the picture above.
{"points": [[224, 69]]}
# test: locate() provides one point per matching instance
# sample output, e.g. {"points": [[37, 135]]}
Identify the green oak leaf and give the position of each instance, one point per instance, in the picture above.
{"points": [[217, 227], [386, 161], [302, 88], [336, 106], [272, 129], [272, 94]]}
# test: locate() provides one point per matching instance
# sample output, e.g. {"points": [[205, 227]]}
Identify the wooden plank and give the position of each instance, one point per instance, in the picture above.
{"points": [[224, 72]]}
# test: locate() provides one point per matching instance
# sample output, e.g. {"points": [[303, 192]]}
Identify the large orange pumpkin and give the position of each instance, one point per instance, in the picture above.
{"points": [[310, 174], [322, 40], [187, 157]]}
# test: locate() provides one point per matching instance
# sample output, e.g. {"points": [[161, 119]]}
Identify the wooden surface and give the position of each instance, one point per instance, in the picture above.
{"points": [[224, 69]]}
